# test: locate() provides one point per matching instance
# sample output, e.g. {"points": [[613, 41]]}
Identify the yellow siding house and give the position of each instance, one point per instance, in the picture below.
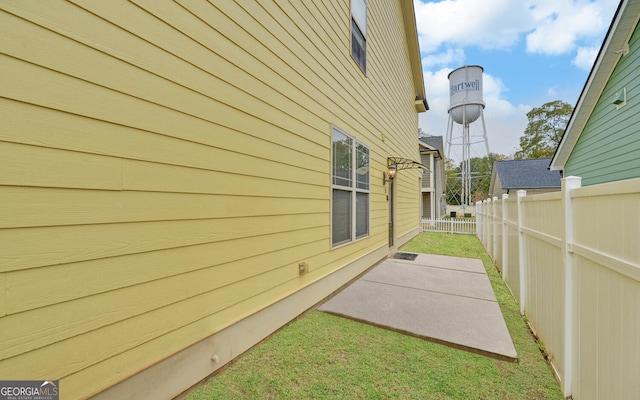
{"points": [[179, 179]]}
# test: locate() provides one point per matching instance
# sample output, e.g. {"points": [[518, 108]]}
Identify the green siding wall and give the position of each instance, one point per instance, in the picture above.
{"points": [[609, 146]]}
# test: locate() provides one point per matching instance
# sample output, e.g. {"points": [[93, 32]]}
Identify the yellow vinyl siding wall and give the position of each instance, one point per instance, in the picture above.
{"points": [[164, 166]]}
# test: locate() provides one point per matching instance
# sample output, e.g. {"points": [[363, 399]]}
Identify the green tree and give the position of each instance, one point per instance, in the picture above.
{"points": [[481, 168], [547, 124]]}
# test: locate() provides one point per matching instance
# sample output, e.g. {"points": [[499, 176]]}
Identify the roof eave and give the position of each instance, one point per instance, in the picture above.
{"points": [[411, 33], [428, 149], [531, 187], [426, 146]]}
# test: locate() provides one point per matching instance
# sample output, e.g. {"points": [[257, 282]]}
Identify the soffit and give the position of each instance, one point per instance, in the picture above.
{"points": [[411, 33]]}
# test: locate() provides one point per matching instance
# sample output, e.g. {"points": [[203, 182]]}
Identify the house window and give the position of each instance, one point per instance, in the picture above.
{"points": [[350, 189], [359, 33]]}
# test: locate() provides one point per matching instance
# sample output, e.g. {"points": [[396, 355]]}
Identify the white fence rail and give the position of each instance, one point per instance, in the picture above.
{"points": [[572, 260], [461, 226]]}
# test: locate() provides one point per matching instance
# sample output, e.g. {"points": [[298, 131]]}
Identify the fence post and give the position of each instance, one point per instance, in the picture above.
{"points": [[521, 255], [505, 263], [479, 220], [568, 185], [485, 225], [494, 241], [489, 226]]}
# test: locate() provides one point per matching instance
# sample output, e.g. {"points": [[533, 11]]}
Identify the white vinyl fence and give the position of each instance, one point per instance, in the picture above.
{"points": [[572, 260], [461, 226]]}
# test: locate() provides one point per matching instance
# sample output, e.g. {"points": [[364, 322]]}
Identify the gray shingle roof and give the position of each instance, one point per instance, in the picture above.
{"points": [[434, 141], [527, 174]]}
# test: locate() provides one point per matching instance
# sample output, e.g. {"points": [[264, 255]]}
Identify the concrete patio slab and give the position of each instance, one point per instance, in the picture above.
{"points": [[443, 280], [444, 299], [455, 263]]}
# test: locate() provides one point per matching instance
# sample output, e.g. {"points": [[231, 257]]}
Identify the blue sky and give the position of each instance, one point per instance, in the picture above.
{"points": [[532, 51]]}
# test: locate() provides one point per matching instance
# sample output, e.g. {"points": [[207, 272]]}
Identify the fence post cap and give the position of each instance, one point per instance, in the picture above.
{"points": [[571, 182]]}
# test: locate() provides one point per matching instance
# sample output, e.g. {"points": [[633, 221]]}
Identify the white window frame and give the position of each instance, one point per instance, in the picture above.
{"points": [[352, 188]]}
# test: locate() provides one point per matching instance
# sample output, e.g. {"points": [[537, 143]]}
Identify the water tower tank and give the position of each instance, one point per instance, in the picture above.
{"points": [[465, 94]]}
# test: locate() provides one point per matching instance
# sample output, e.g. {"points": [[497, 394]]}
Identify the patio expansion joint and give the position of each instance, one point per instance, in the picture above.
{"points": [[418, 264], [453, 269], [429, 291]]}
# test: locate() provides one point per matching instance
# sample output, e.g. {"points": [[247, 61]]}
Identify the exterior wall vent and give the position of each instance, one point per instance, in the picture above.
{"points": [[620, 98]]}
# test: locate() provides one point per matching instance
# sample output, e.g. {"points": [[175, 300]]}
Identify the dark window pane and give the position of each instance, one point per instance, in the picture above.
{"points": [[340, 217], [362, 214], [358, 46]]}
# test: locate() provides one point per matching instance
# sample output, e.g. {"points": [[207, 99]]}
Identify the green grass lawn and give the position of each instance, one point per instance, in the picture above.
{"points": [[321, 356]]}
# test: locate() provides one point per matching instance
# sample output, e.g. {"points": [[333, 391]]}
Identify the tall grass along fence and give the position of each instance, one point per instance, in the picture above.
{"points": [[572, 260], [450, 225]]}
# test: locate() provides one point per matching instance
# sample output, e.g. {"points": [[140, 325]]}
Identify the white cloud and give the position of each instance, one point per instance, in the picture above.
{"points": [[586, 57], [548, 26], [486, 23], [452, 56], [560, 24]]}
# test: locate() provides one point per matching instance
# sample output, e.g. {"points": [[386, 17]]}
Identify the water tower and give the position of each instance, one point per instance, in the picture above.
{"points": [[465, 108]]}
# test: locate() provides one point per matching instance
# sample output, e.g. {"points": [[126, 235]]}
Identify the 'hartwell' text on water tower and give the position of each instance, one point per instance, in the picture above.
{"points": [[465, 108]]}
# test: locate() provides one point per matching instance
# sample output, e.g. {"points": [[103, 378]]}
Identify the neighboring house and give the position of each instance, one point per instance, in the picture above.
{"points": [[180, 179], [531, 175], [602, 140], [433, 179]]}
